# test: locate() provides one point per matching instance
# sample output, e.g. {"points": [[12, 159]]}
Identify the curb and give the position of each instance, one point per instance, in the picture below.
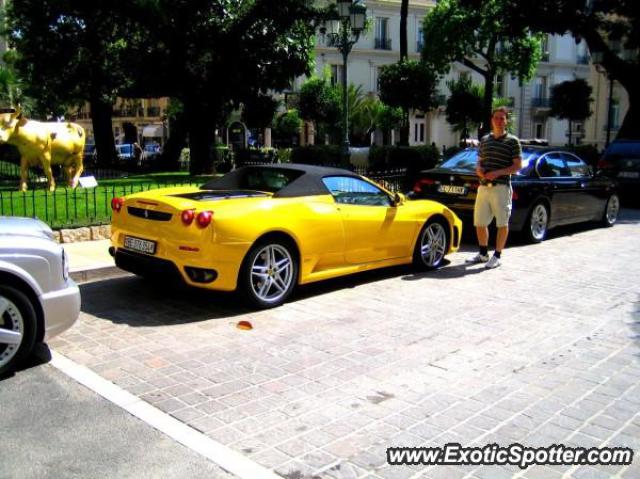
{"points": [[99, 273]]}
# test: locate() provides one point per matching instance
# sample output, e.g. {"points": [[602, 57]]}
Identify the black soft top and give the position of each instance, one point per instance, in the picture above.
{"points": [[283, 180]]}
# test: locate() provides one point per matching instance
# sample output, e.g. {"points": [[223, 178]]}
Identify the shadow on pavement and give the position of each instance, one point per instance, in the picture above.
{"points": [[39, 356], [141, 303]]}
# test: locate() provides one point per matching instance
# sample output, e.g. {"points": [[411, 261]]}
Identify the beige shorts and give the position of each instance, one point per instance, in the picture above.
{"points": [[493, 202]]}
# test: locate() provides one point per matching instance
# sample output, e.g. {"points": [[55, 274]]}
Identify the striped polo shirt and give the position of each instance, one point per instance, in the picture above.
{"points": [[498, 153]]}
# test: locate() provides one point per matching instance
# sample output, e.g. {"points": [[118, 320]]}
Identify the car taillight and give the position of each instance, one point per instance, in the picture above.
{"points": [[514, 195], [116, 204], [204, 218], [604, 164], [187, 217], [422, 182]]}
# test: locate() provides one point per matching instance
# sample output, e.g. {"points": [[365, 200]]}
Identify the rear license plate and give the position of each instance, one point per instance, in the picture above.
{"points": [[629, 174], [452, 190], [137, 244]]}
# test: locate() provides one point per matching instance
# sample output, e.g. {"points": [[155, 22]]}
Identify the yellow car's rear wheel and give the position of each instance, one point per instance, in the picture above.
{"points": [[269, 273], [432, 245]]}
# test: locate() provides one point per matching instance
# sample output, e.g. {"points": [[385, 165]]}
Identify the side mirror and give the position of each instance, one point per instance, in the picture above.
{"points": [[399, 199]]}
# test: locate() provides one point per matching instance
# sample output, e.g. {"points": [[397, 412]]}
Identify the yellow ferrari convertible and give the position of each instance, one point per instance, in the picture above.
{"points": [[265, 229]]}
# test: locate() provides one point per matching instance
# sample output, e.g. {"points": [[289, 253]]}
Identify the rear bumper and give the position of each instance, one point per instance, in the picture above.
{"points": [[61, 309]]}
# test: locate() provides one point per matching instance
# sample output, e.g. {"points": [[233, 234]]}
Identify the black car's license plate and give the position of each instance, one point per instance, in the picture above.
{"points": [[452, 189], [140, 245]]}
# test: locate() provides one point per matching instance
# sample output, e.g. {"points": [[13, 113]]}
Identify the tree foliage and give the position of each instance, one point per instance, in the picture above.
{"points": [[610, 27], [571, 100], [211, 55], [479, 38], [259, 110], [409, 85], [319, 101], [464, 105]]}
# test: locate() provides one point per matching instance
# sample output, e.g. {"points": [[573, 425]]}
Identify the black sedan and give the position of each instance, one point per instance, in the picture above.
{"points": [[553, 188]]}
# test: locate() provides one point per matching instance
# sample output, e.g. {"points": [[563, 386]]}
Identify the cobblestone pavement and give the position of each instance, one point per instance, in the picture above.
{"points": [[543, 350]]}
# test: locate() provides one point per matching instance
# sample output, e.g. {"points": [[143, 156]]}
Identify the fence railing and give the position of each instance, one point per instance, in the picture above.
{"points": [[66, 208]]}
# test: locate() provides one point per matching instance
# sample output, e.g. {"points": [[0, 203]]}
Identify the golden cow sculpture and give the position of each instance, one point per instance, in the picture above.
{"points": [[44, 144]]}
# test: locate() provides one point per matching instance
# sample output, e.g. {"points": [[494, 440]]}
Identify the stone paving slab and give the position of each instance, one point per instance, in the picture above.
{"points": [[542, 350]]}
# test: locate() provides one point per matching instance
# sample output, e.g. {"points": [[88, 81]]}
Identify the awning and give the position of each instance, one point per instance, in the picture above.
{"points": [[152, 131]]}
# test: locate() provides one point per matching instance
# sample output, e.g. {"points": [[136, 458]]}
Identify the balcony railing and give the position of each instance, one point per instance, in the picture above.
{"points": [[539, 102], [383, 44]]}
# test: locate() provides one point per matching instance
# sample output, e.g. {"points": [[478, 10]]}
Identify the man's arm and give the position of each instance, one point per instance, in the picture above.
{"points": [[514, 168]]}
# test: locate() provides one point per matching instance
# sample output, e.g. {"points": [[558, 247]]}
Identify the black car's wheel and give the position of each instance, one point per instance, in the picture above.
{"points": [[17, 328], [432, 245], [269, 273], [537, 225], [611, 211]]}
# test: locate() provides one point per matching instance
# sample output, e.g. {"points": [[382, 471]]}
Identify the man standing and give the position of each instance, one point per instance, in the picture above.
{"points": [[499, 157]]}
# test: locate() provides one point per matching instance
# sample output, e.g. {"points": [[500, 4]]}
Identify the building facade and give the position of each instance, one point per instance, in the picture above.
{"points": [[562, 59]]}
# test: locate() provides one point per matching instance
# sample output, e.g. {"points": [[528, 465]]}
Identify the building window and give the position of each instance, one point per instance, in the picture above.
{"points": [[336, 74], [419, 40], [544, 47], [539, 130], [540, 87], [382, 41], [500, 86], [615, 114]]}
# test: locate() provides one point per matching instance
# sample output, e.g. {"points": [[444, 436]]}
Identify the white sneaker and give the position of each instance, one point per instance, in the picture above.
{"points": [[494, 262], [479, 258]]}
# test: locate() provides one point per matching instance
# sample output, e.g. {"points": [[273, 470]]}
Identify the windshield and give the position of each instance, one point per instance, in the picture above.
{"points": [[464, 160]]}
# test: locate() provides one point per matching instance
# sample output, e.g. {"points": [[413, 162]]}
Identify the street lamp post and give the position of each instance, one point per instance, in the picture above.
{"points": [[342, 30]]}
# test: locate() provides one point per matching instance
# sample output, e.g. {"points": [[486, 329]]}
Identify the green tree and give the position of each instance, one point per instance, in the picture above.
{"points": [[222, 52], [259, 111], [288, 126], [611, 29], [570, 100], [320, 103], [409, 85], [387, 118], [72, 52], [464, 106], [479, 38]]}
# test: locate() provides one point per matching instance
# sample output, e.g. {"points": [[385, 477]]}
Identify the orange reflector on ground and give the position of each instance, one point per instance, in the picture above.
{"points": [[246, 325]]}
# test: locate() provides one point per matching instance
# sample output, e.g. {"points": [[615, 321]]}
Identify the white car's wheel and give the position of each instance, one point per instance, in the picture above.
{"points": [[269, 273], [432, 245], [17, 328]]}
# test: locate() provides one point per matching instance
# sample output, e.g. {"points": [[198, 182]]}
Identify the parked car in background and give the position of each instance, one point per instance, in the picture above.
{"points": [[265, 229], [553, 188], [38, 300], [151, 152], [621, 160], [125, 153]]}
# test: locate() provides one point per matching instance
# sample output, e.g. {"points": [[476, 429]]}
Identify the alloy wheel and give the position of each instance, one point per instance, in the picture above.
{"points": [[539, 222], [433, 244], [271, 273], [613, 208], [11, 330]]}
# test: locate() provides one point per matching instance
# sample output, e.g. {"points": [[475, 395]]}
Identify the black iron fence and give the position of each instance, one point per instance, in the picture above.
{"points": [[66, 207]]}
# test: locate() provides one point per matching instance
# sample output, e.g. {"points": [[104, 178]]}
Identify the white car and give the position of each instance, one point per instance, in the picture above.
{"points": [[38, 300]]}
